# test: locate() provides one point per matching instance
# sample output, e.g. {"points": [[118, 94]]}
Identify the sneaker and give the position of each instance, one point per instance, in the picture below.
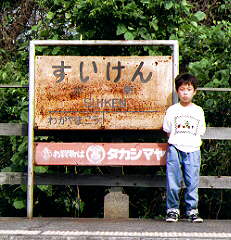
{"points": [[172, 215], [193, 216]]}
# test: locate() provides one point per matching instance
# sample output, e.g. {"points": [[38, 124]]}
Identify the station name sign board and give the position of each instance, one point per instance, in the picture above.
{"points": [[96, 92]]}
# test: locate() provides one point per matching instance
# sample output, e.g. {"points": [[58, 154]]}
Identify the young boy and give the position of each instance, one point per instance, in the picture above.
{"points": [[184, 123]]}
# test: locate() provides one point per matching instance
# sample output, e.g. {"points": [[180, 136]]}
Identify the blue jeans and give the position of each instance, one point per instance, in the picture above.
{"points": [[182, 166]]}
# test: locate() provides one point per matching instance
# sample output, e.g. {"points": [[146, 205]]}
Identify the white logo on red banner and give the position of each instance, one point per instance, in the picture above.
{"points": [[95, 154]]}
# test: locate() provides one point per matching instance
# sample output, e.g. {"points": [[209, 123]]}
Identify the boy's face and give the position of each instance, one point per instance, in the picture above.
{"points": [[186, 93]]}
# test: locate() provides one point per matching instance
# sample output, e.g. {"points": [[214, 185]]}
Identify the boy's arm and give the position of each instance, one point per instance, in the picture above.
{"points": [[167, 124], [202, 128]]}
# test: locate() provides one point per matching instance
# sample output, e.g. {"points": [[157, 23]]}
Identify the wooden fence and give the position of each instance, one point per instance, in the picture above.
{"points": [[112, 180]]}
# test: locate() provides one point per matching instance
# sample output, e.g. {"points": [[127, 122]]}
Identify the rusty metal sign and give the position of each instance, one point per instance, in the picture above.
{"points": [[77, 92], [100, 154]]}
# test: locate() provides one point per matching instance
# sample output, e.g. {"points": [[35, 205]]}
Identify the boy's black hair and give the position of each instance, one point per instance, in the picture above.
{"points": [[185, 78]]}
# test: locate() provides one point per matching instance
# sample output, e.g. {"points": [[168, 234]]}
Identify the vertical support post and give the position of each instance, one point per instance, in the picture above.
{"points": [[30, 178], [175, 69]]}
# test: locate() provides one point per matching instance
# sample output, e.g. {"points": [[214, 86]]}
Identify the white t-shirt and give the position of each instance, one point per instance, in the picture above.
{"points": [[185, 125]]}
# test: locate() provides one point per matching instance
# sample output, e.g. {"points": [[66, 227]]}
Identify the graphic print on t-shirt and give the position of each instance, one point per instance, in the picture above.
{"points": [[186, 124]]}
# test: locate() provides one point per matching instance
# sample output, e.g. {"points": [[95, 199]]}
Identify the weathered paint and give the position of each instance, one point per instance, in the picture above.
{"points": [[73, 92], [100, 154]]}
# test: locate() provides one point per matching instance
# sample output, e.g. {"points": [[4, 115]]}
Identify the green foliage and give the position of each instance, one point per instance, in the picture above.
{"points": [[204, 39], [19, 204]]}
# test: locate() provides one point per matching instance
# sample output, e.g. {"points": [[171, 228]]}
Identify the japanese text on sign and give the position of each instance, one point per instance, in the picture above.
{"points": [[60, 72]]}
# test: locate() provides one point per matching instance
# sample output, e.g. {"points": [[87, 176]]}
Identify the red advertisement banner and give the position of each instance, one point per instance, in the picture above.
{"points": [[100, 154]]}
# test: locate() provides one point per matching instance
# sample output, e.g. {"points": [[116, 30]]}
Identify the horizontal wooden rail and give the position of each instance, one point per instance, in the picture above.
{"points": [[13, 178], [214, 182], [13, 86], [219, 133], [13, 129], [17, 129], [215, 89]]}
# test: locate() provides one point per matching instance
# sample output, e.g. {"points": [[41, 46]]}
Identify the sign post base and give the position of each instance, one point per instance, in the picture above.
{"points": [[116, 204]]}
